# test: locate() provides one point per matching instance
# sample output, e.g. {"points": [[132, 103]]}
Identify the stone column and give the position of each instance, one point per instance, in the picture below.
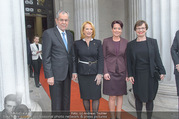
{"points": [[13, 54], [85, 10], [38, 25], [162, 18], [58, 5]]}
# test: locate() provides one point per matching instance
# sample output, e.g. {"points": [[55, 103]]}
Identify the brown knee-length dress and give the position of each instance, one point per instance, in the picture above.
{"points": [[115, 66]]}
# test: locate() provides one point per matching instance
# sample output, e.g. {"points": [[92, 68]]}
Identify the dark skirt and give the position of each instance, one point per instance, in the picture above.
{"points": [[88, 87], [145, 87], [116, 86]]}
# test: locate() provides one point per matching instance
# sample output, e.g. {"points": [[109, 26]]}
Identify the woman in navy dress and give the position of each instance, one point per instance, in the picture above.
{"points": [[115, 69], [89, 60]]}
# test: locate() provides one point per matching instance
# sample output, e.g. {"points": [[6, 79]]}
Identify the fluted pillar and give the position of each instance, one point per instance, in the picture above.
{"points": [[162, 18], [85, 10], [13, 54], [38, 25], [58, 5]]}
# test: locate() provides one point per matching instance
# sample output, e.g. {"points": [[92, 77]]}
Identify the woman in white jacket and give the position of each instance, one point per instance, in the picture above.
{"points": [[36, 49]]}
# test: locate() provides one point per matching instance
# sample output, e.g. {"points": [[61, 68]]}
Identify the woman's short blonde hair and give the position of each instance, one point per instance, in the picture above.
{"points": [[83, 27]]}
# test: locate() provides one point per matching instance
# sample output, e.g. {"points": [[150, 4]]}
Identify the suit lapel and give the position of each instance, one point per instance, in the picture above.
{"points": [[151, 52], [112, 45], [134, 47], [35, 46], [68, 39], [120, 46], [57, 33], [149, 44]]}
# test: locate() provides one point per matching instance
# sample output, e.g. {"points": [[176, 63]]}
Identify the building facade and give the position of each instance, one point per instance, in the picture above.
{"points": [[161, 16]]}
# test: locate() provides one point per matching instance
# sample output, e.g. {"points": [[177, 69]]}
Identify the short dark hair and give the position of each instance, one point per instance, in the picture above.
{"points": [[10, 97], [35, 37], [117, 22], [139, 23], [21, 110]]}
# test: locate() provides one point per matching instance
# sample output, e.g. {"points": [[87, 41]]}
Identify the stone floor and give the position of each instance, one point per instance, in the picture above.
{"points": [[39, 96]]}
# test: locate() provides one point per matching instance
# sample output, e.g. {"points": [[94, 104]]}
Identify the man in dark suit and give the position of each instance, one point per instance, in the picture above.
{"points": [[175, 57], [58, 61]]}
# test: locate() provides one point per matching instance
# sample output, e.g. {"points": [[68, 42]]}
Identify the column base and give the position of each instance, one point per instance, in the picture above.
{"points": [[165, 103], [36, 110]]}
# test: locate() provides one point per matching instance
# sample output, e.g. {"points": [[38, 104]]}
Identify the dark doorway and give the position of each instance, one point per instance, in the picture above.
{"points": [[31, 26], [38, 17]]}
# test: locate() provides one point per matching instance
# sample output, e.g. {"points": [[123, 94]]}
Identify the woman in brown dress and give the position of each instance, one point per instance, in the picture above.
{"points": [[115, 71]]}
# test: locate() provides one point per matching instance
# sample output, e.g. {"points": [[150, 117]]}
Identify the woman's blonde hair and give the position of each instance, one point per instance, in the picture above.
{"points": [[83, 27]]}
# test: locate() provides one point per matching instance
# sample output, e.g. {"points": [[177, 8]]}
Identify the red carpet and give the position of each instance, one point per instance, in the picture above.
{"points": [[76, 101]]}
